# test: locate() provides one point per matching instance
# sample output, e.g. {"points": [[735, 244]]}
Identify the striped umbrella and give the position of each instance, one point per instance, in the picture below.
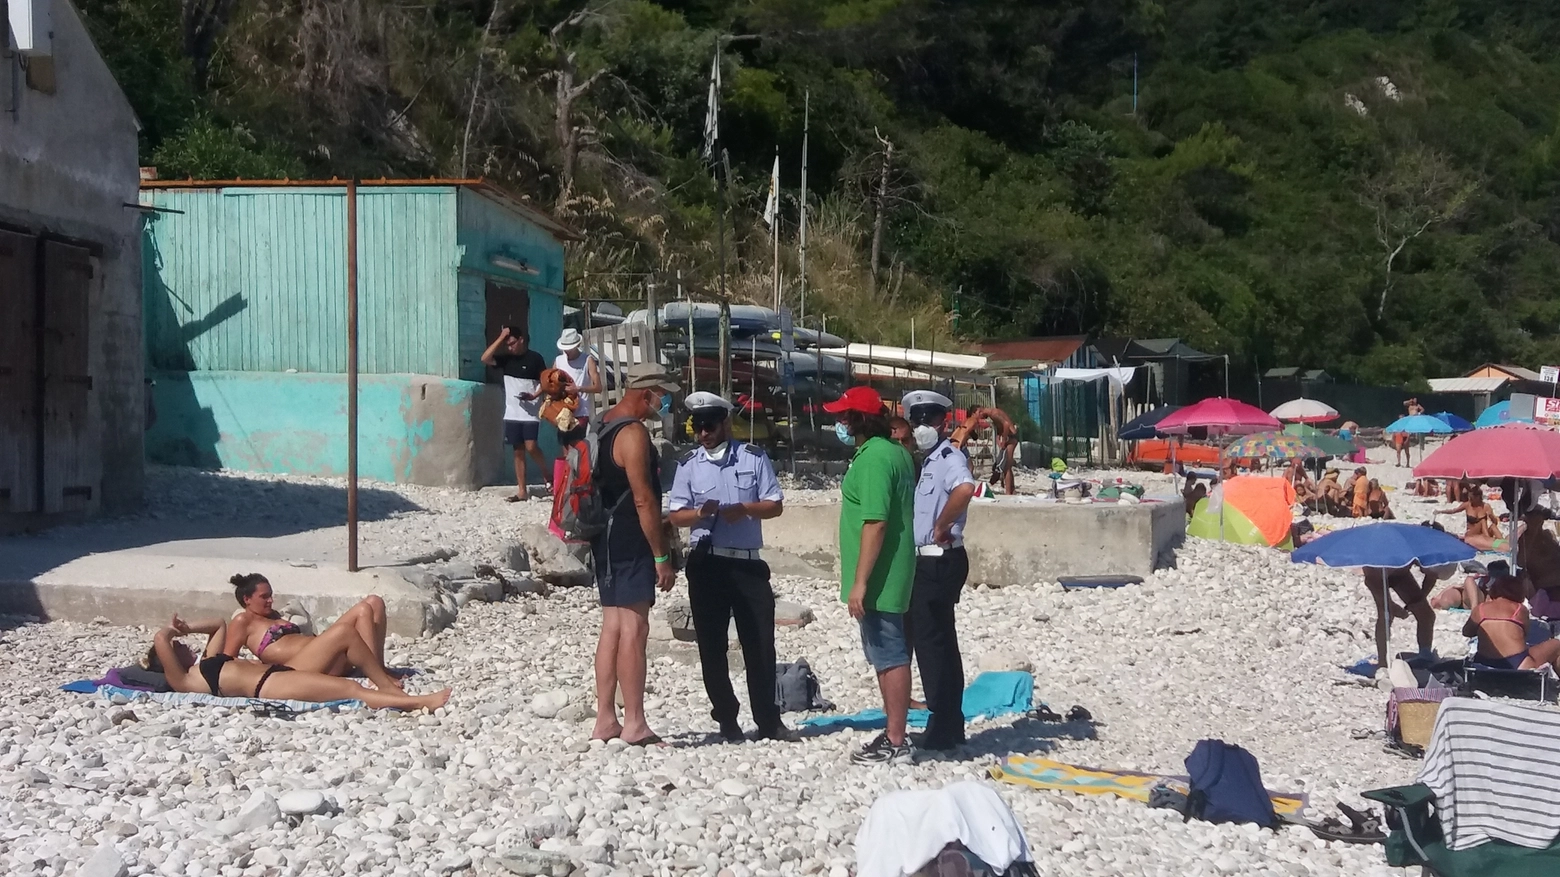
{"points": [[1272, 446]]}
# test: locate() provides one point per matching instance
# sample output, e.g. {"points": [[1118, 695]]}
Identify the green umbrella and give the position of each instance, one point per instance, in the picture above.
{"points": [[1331, 444]]}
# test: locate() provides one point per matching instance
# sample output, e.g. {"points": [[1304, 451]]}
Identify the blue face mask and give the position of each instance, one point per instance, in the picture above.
{"points": [[842, 433]]}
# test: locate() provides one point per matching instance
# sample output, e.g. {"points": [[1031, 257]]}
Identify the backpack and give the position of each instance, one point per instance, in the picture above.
{"points": [[579, 514], [797, 689], [1226, 785]]}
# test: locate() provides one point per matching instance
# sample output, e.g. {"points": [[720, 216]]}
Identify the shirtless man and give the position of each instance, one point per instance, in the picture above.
{"points": [[1538, 556], [1004, 443]]}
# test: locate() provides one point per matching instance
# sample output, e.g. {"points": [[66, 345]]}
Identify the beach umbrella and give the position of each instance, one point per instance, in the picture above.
{"points": [[1305, 411], [1220, 416], [1418, 424], [1246, 509], [1497, 414], [1510, 451], [1272, 446], [1331, 444], [1389, 545], [1143, 425], [1456, 423]]}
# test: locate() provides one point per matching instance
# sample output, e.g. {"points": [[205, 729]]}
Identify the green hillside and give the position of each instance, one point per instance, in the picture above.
{"points": [[1365, 187]]}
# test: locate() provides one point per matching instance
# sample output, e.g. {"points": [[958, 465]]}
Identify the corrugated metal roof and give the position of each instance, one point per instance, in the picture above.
{"points": [[1034, 350], [1466, 385]]}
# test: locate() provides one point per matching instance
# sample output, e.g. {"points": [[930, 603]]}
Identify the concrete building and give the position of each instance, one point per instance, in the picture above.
{"points": [[72, 402], [245, 290]]}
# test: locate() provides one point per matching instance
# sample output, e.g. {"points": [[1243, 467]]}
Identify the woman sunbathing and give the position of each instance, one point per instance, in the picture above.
{"points": [[357, 639], [224, 676], [1501, 624], [1483, 530]]}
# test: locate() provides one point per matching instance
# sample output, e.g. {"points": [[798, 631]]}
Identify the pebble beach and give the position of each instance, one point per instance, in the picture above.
{"points": [[1233, 642]]}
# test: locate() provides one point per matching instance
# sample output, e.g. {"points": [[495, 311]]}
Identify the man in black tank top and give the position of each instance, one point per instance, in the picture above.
{"points": [[631, 556]]}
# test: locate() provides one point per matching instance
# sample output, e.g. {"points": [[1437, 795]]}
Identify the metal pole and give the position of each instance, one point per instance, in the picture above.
{"points": [[775, 231], [654, 353], [753, 391], [352, 378], [692, 373], [801, 229]]}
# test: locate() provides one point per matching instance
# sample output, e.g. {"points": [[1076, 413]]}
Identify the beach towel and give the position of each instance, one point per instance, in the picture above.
{"points": [[1043, 773], [182, 698], [905, 830], [1494, 768], [989, 696]]}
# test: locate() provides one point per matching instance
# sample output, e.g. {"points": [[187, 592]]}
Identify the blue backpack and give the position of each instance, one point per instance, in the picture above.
{"points": [[1226, 785]]}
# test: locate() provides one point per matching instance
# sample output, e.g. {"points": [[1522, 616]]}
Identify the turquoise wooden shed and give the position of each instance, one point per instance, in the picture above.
{"points": [[245, 292]]}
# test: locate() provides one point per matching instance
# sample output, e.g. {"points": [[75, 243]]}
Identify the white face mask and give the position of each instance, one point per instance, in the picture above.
{"points": [[926, 437], [717, 453]]}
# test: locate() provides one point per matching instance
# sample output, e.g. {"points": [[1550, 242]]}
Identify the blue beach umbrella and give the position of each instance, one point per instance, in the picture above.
{"points": [[1497, 414], [1389, 545], [1418, 424], [1456, 423]]}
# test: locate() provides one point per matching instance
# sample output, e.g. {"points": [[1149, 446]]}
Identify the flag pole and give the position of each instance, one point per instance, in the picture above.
{"points": [[801, 228], [774, 224], [715, 153]]}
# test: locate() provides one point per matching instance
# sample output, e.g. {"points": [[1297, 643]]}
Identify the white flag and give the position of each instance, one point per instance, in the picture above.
{"points": [[772, 206], [712, 111]]}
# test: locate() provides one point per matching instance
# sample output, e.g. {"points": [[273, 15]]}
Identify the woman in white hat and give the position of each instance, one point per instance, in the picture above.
{"points": [[578, 363]]}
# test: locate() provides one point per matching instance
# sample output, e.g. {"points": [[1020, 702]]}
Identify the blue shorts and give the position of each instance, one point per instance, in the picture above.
{"points": [[883, 640], [518, 432], [625, 582]]}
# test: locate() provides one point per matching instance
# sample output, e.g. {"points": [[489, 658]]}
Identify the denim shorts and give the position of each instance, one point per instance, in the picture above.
{"points": [[883, 640]]}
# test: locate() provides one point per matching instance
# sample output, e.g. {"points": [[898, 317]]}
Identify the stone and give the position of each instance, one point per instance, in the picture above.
{"points": [[576, 712], [1003, 660], [105, 862], [788, 614], [303, 802], [482, 590], [537, 863], [526, 585], [555, 562], [548, 704], [454, 864], [258, 813], [679, 616], [732, 787], [516, 557]]}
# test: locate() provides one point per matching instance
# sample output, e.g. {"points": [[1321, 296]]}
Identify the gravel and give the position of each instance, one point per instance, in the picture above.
{"points": [[1231, 642]]}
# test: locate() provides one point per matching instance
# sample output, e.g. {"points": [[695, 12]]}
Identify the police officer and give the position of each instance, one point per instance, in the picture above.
{"points": [[722, 490], [942, 497]]}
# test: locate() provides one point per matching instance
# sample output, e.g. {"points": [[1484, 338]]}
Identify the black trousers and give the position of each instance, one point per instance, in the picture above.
{"points": [[934, 640], [720, 589]]}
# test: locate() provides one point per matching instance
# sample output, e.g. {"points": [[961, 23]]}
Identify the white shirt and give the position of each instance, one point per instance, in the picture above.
{"points": [[578, 369], [514, 407]]}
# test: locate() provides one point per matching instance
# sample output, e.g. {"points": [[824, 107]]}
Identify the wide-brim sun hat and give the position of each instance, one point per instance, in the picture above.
{"points": [[570, 340]]}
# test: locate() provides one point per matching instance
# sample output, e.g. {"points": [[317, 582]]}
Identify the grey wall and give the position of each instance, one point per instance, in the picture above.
{"points": [[68, 165]]}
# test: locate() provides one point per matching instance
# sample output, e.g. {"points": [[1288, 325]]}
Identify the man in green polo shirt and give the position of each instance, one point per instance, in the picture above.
{"points": [[877, 558]]}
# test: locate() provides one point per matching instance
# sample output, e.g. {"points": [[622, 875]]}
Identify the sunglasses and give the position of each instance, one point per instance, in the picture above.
{"points": [[707, 424]]}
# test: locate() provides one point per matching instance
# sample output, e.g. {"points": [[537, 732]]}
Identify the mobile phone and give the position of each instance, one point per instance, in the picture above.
{"points": [[710, 507]]}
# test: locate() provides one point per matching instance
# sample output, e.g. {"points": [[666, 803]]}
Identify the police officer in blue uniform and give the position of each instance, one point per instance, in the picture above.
{"points": [[942, 498], [722, 490]]}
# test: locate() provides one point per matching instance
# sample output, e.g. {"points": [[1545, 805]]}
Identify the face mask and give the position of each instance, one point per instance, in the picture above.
{"points": [[842, 432], [926, 437], [717, 453]]}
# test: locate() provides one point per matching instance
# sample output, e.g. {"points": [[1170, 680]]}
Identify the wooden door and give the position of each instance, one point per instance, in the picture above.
{"points": [[19, 386], [72, 460]]}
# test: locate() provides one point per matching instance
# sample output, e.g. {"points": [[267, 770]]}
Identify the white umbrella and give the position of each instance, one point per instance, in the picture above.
{"points": [[1305, 411]]}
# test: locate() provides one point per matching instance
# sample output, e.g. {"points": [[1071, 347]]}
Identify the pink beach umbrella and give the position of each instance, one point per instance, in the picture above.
{"points": [[1219, 415], [1305, 411], [1510, 451]]}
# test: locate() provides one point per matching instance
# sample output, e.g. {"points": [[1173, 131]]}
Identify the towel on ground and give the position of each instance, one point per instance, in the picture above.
{"points": [[989, 696], [1495, 770], [1043, 773], [182, 698], [905, 830]]}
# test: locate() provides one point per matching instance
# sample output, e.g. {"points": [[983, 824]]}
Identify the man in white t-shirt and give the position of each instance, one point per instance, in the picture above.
{"points": [[581, 367], [522, 368]]}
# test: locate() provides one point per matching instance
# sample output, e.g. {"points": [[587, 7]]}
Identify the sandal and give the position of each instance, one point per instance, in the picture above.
{"points": [[1044, 713], [1362, 828]]}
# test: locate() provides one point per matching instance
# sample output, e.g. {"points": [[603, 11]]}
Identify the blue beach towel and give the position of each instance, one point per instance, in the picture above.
{"points": [[989, 696], [182, 698]]}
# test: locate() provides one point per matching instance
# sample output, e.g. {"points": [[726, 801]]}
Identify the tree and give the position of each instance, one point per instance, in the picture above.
{"points": [[567, 90], [1416, 192], [204, 21]]}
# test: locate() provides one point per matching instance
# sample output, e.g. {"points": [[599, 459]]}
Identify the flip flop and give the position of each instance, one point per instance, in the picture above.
{"points": [[512, 498], [652, 740]]}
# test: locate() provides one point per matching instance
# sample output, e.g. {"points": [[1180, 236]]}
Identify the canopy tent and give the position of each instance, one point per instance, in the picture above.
{"points": [[1246, 509]]}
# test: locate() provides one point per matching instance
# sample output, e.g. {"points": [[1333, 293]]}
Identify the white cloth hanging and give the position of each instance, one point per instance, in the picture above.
{"points": [[905, 830]]}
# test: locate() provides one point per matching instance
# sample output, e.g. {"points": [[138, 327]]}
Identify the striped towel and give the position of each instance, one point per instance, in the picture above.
{"points": [[181, 698], [1495, 770]]}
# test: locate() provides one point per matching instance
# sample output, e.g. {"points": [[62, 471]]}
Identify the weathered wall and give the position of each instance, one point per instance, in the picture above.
{"points": [[411, 428], [67, 167], [486, 229], [255, 278], [1015, 543]]}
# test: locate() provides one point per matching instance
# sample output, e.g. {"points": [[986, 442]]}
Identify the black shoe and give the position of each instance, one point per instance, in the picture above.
{"points": [[781, 733], [881, 751], [940, 743], [731, 732]]}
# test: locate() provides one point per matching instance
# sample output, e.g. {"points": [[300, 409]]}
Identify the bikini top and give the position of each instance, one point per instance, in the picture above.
{"points": [[276, 632], [1513, 619]]}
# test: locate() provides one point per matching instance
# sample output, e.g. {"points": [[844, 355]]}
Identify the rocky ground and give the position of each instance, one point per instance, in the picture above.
{"points": [[1232, 642]]}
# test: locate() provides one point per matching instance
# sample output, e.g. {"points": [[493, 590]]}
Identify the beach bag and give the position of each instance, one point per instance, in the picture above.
{"points": [[797, 689], [1226, 785], [579, 514]]}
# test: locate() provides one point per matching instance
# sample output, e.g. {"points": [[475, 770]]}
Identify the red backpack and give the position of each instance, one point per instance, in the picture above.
{"points": [[579, 514]]}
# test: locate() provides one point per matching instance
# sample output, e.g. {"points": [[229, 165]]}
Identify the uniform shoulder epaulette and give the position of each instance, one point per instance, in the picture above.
{"points": [[753, 449], [688, 457], [946, 451]]}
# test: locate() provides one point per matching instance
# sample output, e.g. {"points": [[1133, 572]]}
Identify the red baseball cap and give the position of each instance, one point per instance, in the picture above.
{"points": [[862, 399]]}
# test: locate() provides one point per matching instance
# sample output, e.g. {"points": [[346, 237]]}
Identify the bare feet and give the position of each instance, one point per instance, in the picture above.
{"points": [[640, 735], [607, 728], [435, 700]]}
